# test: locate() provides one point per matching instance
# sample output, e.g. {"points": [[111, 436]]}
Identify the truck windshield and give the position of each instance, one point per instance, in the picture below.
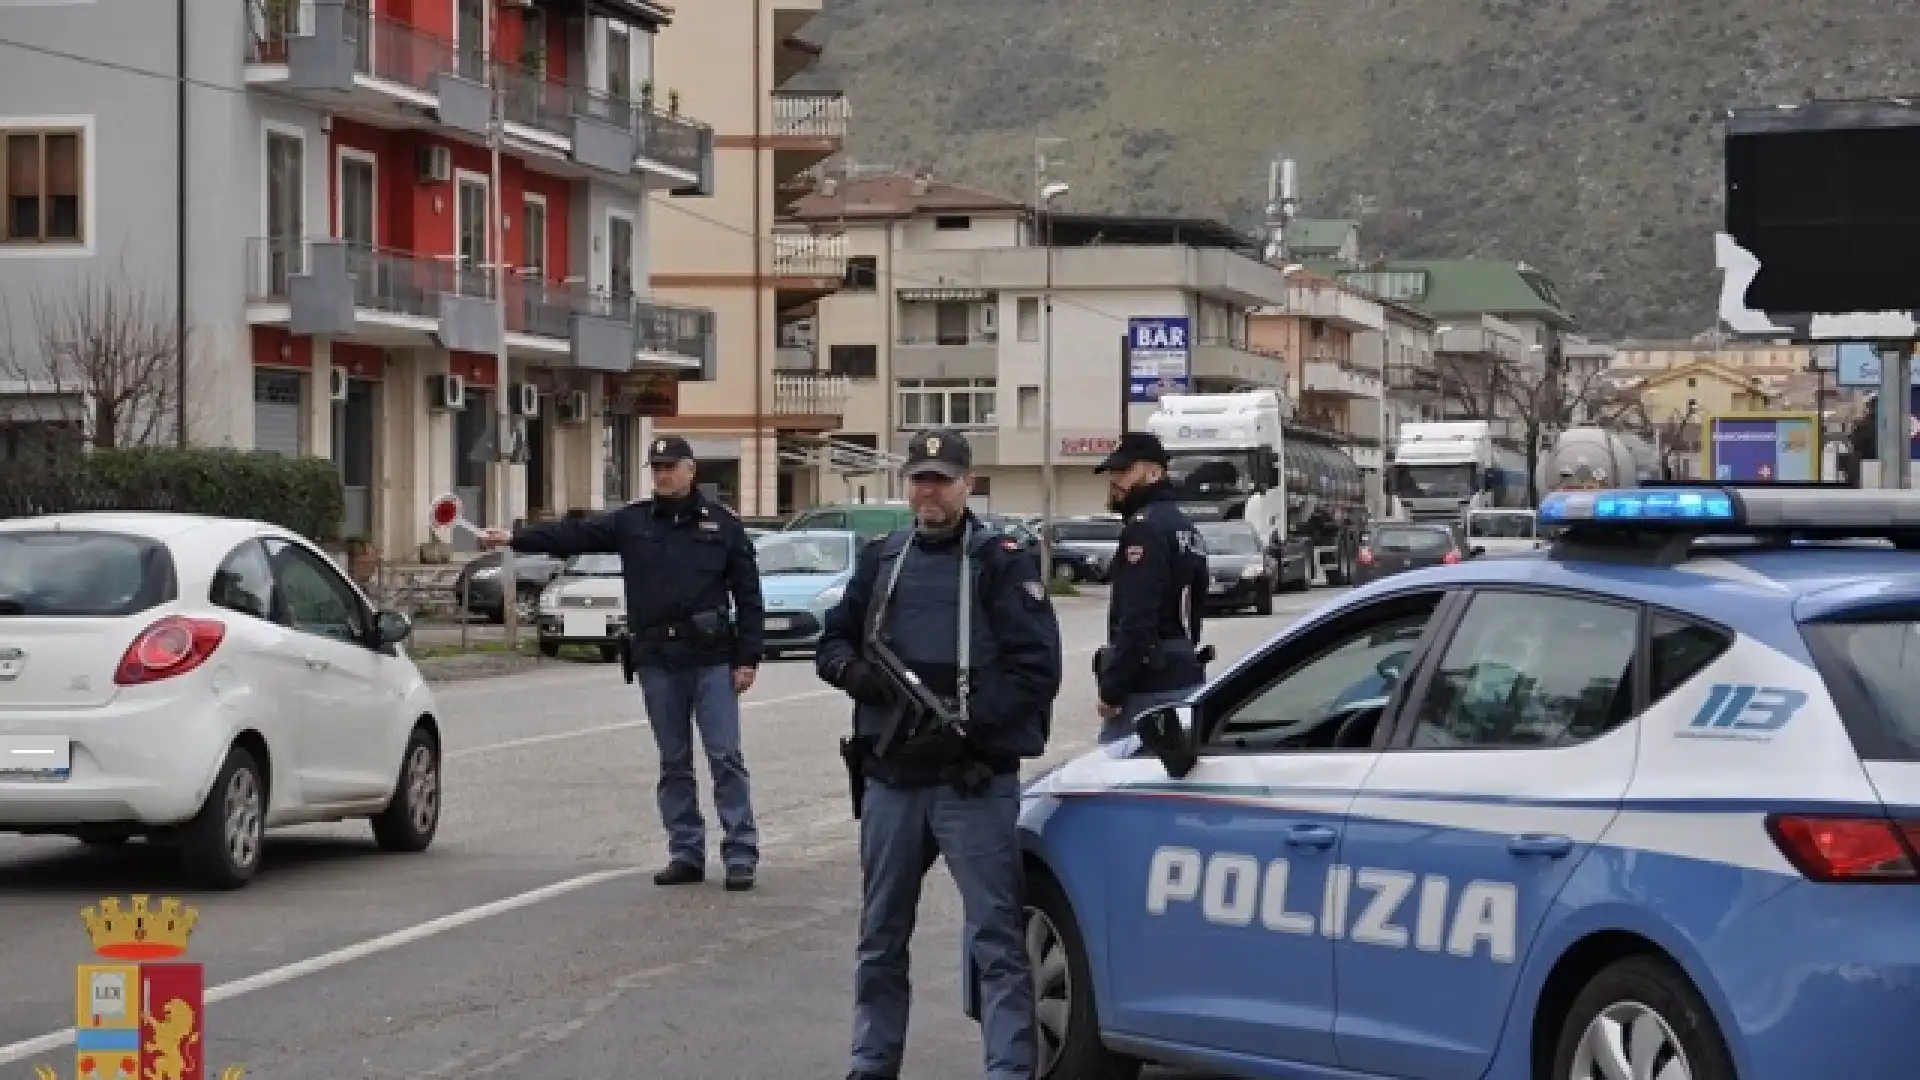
{"points": [[1457, 481], [1210, 475]]}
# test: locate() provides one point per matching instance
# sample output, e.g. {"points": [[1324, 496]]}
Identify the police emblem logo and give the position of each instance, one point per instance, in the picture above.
{"points": [[1136, 553], [660, 446], [933, 444]]}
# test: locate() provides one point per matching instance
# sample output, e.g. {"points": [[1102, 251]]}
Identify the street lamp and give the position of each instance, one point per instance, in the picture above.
{"points": [[1044, 196]]}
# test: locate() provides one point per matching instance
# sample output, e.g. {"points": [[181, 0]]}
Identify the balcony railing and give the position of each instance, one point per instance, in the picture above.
{"points": [[808, 255], [672, 329], [810, 395], [395, 282], [384, 48], [810, 117], [965, 337]]}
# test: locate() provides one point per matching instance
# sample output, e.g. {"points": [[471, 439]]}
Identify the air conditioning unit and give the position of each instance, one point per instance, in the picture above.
{"points": [[447, 392], [526, 400], [573, 407], [337, 383], [435, 164]]}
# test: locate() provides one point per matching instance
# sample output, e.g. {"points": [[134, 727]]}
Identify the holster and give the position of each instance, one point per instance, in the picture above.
{"points": [[853, 751]]}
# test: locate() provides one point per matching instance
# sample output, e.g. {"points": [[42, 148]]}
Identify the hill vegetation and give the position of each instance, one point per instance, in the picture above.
{"points": [[1578, 135]]}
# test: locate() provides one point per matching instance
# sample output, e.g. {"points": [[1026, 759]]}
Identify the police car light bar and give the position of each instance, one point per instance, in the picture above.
{"points": [[1813, 513]]}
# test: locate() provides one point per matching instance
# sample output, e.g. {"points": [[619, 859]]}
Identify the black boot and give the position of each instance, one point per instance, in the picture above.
{"points": [[679, 873]]}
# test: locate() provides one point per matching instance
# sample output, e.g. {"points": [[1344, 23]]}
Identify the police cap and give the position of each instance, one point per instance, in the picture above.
{"points": [[940, 452], [669, 450], [1135, 447]]}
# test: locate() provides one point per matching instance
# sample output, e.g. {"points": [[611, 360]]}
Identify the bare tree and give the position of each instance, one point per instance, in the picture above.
{"points": [[100, 354], [1537, 400]]}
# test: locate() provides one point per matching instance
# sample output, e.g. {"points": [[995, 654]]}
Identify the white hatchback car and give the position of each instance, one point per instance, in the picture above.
{"points": [[198, 681]]}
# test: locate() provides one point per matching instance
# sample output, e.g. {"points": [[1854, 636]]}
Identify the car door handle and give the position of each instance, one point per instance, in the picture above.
{"points": [[1314, 836], [1553, 847]]}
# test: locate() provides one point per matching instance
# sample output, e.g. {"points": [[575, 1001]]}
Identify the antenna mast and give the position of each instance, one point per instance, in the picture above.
{"points": [[1282, 204]]}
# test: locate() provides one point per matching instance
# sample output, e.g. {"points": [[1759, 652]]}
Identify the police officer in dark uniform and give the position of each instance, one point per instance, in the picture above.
{"points": [[1159, 588], [694, 619], [963, 608]]}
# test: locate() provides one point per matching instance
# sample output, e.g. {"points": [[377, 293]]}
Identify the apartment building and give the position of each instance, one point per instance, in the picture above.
{"points": [[955, 330], [1314, 334], [315, 197], [727, 61]]}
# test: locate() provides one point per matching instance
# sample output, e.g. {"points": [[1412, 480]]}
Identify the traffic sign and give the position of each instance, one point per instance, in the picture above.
{"points": [[447, 512]]}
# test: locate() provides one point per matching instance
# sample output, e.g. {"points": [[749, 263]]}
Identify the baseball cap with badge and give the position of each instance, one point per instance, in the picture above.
{"points": [[940, 453], [1134, 447], [669, 450]]}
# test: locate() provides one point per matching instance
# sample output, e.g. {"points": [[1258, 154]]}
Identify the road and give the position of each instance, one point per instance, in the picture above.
{"points": [[529, 940]]}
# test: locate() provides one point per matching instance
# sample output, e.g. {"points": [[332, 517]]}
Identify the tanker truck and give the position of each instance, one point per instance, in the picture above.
{"points": [[1592, 457]]}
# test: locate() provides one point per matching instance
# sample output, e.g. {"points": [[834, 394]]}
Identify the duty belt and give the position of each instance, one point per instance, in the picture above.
{"points": [[664, 632]]}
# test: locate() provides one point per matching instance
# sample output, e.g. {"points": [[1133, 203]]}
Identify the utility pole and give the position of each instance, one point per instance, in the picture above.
{"points": [[1896, 418], [503, 440], [1043, 194]]}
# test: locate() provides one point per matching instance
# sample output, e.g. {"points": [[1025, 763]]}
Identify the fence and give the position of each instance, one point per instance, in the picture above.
{"points": [[22, 497]]}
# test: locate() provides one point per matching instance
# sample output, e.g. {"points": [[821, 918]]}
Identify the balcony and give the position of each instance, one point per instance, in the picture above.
{"points": [[1339, 378], [1228, 360], [615, 334], [806, 131], [396, 298], [338, 56], [807, 267], [972, 355], [811, 402], [676, 334], [795, 358], [791, 57], [1336, 307]]}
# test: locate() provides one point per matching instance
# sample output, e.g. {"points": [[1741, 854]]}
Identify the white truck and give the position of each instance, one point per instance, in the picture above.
{"points": [[1442, 471], [1594, 457], [1233, 457]]}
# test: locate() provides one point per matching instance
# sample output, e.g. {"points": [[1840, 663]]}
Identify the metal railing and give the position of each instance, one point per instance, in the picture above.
{"points": [[673, 329], [968, 337], [818, 117], [672, 140], [807, 255], [810, 395], [396, 282]]}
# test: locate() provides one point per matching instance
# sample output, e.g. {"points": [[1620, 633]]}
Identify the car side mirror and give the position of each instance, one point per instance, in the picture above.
{"points": [[1167, 733], [391, 628]]}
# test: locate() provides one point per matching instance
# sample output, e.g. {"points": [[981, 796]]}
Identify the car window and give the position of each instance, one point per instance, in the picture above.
{"points": [[1088, 532], [826, 519], [313, 597], [48, 574], [1231, 541], [244, 582], [803, 554], [1413, 541], [1500, 526], [1679, 649], [1348, 675], [595, 564], [1530, 669], [1871, 668]]}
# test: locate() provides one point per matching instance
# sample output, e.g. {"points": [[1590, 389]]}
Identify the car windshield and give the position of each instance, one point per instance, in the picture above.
{"points": [[1413, 541], [1230, 541], [598, 564], [790, 554], [1500, 526], [1087, 532], [82, 574]]}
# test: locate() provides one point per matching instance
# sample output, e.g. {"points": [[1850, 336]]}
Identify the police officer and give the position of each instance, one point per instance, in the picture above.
{"points": [[1159, 585], [686, 561], [964, 608]]}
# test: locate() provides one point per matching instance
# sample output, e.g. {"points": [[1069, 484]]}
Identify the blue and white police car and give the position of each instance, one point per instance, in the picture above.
{"points": [[1646, 805]]}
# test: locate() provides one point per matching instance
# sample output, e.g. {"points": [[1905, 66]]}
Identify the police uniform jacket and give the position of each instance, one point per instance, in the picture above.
{"points": [[680, 558], [1159, 586], [1015, 656]]}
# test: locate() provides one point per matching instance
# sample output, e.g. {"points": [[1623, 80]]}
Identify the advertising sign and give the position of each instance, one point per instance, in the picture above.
{"points": [[1763, 448], [1159, 358], [1858, 366]]}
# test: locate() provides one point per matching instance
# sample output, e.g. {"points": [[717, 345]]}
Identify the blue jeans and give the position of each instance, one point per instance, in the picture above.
{"points": [[677, 700], [1121, 726], [902, 831]]}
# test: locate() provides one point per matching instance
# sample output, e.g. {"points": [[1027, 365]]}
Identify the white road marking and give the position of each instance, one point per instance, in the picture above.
{"points": [[624, 725]]}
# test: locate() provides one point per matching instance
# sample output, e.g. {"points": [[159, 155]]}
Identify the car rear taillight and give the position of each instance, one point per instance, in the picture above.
{"points": [[1365, 556], [1856, 849], [1450, 558], [172, 646]]}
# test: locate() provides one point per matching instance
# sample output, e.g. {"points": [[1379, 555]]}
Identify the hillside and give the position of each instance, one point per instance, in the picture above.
{"points": [[1578, 135]]}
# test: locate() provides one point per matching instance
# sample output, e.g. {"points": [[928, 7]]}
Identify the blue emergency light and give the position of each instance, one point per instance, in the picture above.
{"points": [[1692, 508]]}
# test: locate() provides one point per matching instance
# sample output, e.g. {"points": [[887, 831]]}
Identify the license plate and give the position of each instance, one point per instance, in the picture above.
{"points": [[584, 624], [779, 622], [35, 757]]}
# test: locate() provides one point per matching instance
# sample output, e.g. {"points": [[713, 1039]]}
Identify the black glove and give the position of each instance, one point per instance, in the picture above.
{"points": [[864, 683]]}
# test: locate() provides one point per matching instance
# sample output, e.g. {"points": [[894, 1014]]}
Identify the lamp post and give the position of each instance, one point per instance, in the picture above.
{"points": [[1044, 194]]}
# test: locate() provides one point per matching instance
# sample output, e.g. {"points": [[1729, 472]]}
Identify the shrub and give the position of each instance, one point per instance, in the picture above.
{"points": [[302, 494]]}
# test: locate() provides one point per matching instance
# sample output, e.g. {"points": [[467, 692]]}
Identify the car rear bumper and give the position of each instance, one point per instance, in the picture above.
{"points": [[791, 630], [1239, 593], [145, 759]]}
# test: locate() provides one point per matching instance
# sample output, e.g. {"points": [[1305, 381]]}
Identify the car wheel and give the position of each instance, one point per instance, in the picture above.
{"points": [[1641, 1017], [413, 816], [549, 649], [1264, 605], [1068, 1028], [221, 847]]}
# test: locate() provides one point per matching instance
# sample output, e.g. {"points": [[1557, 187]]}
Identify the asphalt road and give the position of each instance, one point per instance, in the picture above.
{"points": [[529, 940]]}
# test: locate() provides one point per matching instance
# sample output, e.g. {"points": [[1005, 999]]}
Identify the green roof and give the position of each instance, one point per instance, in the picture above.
{"points": [[1319, 234], [1455, 287]]}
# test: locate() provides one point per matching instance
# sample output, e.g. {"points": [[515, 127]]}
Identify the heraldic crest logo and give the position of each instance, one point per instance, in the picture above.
{"points": [[141, 1018]]}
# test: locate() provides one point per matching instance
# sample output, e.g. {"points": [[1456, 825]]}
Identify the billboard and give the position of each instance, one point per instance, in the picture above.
{"points": [[1763, 448], [1159, 358], [1858, 366]]}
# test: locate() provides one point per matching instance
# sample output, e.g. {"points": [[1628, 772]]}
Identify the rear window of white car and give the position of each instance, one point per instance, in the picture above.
{"points": [[1872, 670], [1414, 541], [49, 574]]}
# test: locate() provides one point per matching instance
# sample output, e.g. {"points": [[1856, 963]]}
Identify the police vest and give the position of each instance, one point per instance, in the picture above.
{"points": [[924, 622]]}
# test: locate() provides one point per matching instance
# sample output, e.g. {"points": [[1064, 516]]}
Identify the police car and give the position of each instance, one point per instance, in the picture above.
{"points": [[1645, 805]]}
